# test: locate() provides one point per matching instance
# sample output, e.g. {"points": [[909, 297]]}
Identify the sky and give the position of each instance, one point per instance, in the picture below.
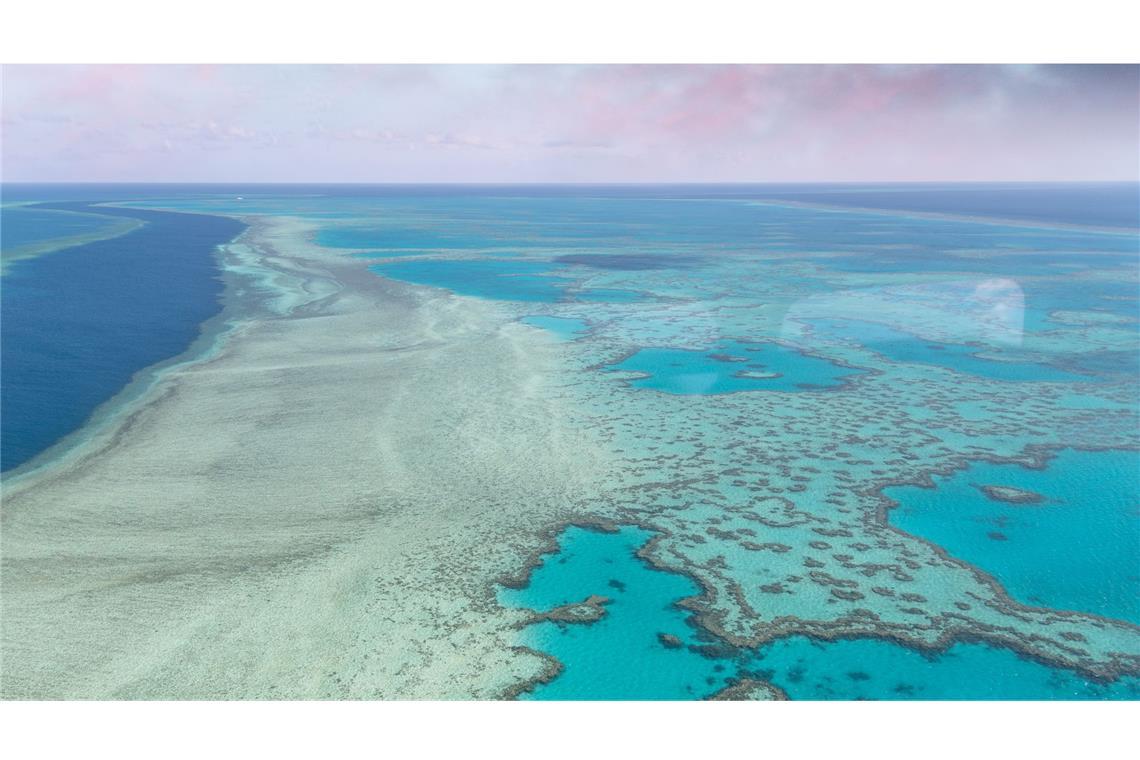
{"points": [[589, 123]]}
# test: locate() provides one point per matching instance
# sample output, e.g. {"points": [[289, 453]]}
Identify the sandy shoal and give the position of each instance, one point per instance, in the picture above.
{"points": [[316, 507]]}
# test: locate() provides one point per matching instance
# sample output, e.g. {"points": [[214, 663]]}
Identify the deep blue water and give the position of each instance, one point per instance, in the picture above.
{"points": [[623, 656], [1077, 549], [79, 323], [22, 225]]}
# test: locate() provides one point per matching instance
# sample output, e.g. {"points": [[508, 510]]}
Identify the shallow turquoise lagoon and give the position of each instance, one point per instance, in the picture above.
{"points": [[903, 347], [1077, 548], [406, 238], [620, 656], [484, 278], [607, 295], [876, 669], [628, 655], [733, 366], [391, 254], [500, 279], [565, 328]]}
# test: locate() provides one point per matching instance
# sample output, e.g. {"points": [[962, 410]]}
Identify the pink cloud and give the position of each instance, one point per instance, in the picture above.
{"points": [[569, 123]]}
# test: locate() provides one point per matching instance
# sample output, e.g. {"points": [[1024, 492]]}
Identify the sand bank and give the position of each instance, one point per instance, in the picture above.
{"points": [[318, 506]]}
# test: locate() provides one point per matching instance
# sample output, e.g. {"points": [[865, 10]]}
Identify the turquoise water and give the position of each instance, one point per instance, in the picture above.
{"points": [[653, 270], [499, 279], [565, 328], [900, 346], [742, 273], [1113, 204], [485, 278], [1077, 549], [389, 254], [707, 244], [408, 239], [607, 295], [881, 670], [732, 366], [622, 656]]}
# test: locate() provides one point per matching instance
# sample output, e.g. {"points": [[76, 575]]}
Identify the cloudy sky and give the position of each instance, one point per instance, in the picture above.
{"points": [[569, 123]]}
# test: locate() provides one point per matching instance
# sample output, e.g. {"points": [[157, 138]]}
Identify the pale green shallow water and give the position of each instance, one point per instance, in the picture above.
{"points": [[565, 328], [758, 373]]}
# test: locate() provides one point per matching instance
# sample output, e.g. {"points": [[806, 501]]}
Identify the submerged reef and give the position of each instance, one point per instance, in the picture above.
{"points": [[749, 689], [762, 404], [1011, 495], [589, 610], [773, 502]]}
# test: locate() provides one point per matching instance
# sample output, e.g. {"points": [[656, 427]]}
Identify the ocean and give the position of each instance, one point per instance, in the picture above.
{"points": [[883, 439], [80, 322]]}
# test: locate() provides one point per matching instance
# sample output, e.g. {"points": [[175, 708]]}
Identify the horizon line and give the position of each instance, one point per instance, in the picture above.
{"points": [[731, 183]]}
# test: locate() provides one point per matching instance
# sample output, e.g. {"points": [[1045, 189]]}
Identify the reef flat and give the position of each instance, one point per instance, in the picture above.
{"points": [[961, 349], [315, 509], [645, 646], [360, 489]]}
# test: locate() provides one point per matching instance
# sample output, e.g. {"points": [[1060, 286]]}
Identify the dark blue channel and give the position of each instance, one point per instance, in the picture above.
{"points": [[78, 323]]}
